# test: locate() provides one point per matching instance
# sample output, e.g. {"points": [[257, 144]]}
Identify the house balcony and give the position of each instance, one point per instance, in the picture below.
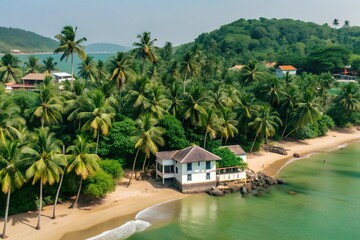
{"points": [[230, 174]]}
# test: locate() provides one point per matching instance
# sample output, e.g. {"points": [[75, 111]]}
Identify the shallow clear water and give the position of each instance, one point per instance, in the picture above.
{"points": [[327, 206]]}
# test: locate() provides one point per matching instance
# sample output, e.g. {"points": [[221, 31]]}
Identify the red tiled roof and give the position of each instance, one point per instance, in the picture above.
{"points": [[287, 68]]}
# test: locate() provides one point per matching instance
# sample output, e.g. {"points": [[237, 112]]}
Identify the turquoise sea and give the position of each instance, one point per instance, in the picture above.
{"points": [[64, 66], [327, 206]]}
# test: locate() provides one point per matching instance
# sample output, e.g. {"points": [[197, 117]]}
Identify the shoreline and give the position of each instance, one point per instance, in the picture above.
{"points": [[123, 204]]}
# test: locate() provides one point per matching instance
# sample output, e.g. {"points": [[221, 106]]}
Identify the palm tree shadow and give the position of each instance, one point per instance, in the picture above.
{"points": [[23, 218]]}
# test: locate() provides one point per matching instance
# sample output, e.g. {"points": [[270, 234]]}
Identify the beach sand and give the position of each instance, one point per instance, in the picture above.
{"points": [[124, 203]]}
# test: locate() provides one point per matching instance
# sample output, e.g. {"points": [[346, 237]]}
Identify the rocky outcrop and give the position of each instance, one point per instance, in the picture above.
{"points": [[278, 150], [256, 184]]}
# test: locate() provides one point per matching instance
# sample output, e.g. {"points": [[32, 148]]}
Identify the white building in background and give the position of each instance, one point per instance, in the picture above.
{"points": [[62, 77], [193, 168], [283, 69]]}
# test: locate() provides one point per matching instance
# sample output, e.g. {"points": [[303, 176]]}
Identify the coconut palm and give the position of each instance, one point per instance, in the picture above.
{"points": [[137, 96], [147, 137], [195, 105], [9, 70], [348, 100], [10, 119], [158, 102], [69, 46], [100, 70], [49, 65], [145, 49], [120, 69], [50, 107], [48, 163], [251, 72], [87, 68], [212, 125], [98, 115], [265, 123], [32, 65], [82, 161], [65, 159], [11, 176], [220, 98], [189, 66], [176, 101], [346, 24], [229, 125], [335, 23]]}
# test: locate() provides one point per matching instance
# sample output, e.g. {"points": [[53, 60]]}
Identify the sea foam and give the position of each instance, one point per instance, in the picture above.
{"points": [[124, 231]]}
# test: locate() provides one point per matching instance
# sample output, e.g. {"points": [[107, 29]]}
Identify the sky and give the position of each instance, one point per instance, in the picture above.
{"points": [[178, 22]]}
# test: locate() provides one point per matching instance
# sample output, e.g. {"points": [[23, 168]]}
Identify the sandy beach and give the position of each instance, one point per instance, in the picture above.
{"points": [[124, 203]]}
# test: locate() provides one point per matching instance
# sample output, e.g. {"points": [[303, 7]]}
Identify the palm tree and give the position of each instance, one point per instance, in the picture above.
{"points": [[335, 23], [87, 68], [69, 46], [100, 70], [307, 111], [346, 24], [32, 65], [229, 125], [9, 70], [176, 101], [50, 106], [10, 174], [251, 71], [49, 65], [265, 123], [120, 69], [82, 161], [247, 109], [145, 49], [138, 94], [220, 98], [159, 103], [195, 106], [65, 159], [48, 161], [348, 100], [212, 125], [147, 137], [98, 115], [189, 66], [10, 119]]}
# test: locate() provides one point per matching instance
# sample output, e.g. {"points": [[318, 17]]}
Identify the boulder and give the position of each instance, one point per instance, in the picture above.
{"points": [[244, 190], [280, 181], [278, 150], [296, 155], [215, 192], [292, 193]]}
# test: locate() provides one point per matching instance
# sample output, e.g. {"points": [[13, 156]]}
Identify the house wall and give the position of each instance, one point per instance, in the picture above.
{"points": [[231, 176], [279, 73], [198, 172]]}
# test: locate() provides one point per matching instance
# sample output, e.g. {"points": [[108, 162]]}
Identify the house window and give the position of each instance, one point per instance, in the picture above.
{"points": [[189, 178], [176, 169], [208, 165], [189, 166], [169, 169], [207, 176], [199, 164]]}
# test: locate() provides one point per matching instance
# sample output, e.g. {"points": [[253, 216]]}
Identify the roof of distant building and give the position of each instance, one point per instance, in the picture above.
{"points": [[236, 149], [62, 74], [287, 68], [34, 76], [237, 67]]}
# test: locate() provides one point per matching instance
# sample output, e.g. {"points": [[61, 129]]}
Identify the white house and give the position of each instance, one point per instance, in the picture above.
{"points": [[193, 168], [62, 77], [282, 70]]}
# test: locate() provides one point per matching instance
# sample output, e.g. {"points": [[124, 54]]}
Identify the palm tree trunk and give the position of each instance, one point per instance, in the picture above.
{"points": [[58, 190], [184, 84], [143, 67], [252, 146], [143, 169], [205, 136], [6, 213], [72, 66], [133, 168], [290, 132], [97, 141], [40, 205], [77, 195]]}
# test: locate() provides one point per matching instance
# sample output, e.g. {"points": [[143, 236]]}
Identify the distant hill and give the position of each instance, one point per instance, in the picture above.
{"points": [[281, 40], [25, 41], [106, 47]]}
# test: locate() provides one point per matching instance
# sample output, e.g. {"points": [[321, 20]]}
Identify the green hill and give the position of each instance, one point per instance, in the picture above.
{"points": [[281, 40], [106, 47], [25, 41]]}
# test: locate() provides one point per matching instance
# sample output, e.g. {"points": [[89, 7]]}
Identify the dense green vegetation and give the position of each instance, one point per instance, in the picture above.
{"points": [[136, 103], [25, 41]]}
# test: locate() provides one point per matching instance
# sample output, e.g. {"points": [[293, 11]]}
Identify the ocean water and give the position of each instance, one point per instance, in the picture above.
{"points": [[64, 66], [326, 206]]}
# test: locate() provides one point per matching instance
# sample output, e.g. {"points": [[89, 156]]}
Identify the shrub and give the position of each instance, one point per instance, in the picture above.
{"points": [[99, 185], [228, 159], [112, 167]]}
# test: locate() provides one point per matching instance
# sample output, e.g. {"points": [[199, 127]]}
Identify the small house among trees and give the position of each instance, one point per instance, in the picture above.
{"points": [[283, 69]]}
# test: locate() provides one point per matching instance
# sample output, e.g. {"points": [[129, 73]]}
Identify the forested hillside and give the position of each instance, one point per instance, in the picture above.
{"points": [[25, 41], [281, 40]]}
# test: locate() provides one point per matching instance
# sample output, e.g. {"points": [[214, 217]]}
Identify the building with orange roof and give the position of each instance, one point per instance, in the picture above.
{"points": [[283, 69]]}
